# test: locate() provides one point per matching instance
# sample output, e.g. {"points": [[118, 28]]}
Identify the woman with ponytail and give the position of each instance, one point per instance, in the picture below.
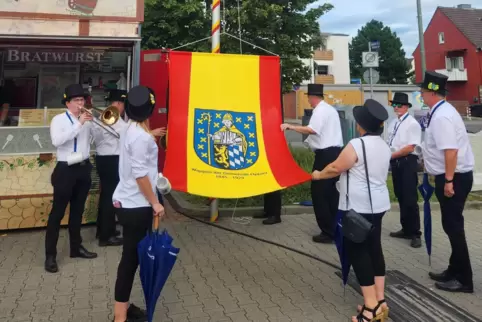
{"points": [[135, 196]]}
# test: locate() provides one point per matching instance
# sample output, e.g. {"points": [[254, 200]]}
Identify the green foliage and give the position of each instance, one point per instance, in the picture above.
{"points": [[173, 23], [393, 66], [286, 28]]}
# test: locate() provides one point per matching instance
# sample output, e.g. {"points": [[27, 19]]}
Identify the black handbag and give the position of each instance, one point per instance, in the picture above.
{"points": [[355, 227]]}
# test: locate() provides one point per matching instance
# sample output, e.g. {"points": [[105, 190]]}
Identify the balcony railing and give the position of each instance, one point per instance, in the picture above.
{"points": [[324, 79], [323, 55], [454, 75]]}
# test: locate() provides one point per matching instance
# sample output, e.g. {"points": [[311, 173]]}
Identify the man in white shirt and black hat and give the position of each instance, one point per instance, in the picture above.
{"points": [[326, 140], [107, 163], [71, 135], [448, 156], [405, 135]]}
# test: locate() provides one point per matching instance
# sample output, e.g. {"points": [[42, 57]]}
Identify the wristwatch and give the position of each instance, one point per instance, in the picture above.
{"points": [[448, 181]]}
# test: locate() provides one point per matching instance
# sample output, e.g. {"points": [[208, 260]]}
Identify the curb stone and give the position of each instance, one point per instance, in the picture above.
{"points": [[179, 203]]}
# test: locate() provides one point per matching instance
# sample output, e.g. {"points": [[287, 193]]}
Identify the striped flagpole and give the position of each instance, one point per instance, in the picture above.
{"points": [[216, 49], [216, 27]]}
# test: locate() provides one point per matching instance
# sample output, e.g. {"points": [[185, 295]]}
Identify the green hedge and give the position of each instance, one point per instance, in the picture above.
{"points": [[304, 157]]}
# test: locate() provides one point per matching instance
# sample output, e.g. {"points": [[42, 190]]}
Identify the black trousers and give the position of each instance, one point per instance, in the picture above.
{"points": [[135, 222], [108, 170], [405, 185], [367, 258], [453, 224], [71, 184], [324, 194], [272, 204]]}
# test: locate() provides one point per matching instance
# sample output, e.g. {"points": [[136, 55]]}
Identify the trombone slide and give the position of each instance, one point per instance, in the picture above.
{"points": [[107, 117]]}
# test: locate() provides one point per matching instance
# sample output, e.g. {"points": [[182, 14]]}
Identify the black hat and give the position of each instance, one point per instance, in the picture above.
{"points": [[116, 95], [315, 89], [140, 103], [73, 91], [371, 116], [435, 82], [400, 98]]}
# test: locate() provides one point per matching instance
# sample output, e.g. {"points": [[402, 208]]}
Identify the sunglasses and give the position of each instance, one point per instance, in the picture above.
{"points": [[396, 105]]}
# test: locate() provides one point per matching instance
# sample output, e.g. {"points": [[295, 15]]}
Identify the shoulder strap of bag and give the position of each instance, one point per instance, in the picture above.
{"points": [[347, 187], [366, 173]]}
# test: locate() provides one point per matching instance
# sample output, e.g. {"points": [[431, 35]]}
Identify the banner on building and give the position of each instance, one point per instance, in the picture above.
{"points": [[224, 130]]}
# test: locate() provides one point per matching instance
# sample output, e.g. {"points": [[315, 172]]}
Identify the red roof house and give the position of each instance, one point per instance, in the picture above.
{"points": [[453, 44]]}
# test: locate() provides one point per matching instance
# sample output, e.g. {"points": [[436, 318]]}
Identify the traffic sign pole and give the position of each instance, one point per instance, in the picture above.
{"points": [[370, 71]]}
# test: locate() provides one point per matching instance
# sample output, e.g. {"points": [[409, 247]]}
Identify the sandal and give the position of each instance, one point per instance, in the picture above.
{"points": [[385, 310], [380, 317]]}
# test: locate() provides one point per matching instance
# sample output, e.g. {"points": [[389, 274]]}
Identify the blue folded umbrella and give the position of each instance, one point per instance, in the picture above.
{"points": [[344, 261], [157, 257], [426, 190]]}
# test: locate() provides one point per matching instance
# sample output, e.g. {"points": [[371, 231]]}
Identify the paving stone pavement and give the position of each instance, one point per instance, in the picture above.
{"points": [[296, 231], [219, 276]]}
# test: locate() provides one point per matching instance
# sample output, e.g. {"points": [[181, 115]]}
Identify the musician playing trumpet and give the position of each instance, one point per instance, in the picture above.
{"points": [[107, 164], [71, 134], [405, 135]]}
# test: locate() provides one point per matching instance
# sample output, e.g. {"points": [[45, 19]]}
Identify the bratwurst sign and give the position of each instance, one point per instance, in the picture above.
{"points": [[45, 56]]}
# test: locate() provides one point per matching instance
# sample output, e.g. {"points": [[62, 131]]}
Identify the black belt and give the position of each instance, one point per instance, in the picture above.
{"points": [[327, 148], [81, 163], [405, 158]]}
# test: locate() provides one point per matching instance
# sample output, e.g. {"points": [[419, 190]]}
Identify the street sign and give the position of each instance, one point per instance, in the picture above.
{"points": [[375, 76], [355, 80], [370, 59], [374, 45]]}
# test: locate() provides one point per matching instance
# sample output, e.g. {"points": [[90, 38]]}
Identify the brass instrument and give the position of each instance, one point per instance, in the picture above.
{"points": [[106, 118]]}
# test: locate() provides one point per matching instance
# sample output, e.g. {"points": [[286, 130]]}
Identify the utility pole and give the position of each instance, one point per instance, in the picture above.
{"points": [[420, 36]]}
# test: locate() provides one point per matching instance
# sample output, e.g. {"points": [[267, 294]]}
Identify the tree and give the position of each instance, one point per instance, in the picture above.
{"points": [[283, 27], [173, 23], [393, 67]]}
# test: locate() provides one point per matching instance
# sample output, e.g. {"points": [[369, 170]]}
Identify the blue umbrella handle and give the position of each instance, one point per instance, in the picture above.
{"points": [[155, 224]]}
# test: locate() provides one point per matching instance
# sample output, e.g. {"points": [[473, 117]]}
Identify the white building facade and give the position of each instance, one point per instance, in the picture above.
{"points": [[330, 65]]}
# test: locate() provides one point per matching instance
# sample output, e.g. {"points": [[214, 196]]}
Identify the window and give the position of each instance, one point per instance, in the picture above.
{"points": [[322, 70], [441, 38], [454, 63]]}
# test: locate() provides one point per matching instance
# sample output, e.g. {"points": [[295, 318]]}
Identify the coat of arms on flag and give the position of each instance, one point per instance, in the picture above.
{"points": [[225, 139]]}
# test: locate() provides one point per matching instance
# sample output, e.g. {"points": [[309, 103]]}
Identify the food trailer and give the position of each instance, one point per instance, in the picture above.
{"points": [[44, 46]]}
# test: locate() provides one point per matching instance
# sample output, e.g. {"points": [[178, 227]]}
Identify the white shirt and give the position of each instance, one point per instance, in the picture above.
{"points": [[325, 121], [378, 158], [404, 131], [63, 132], [137, 159], [106, 143], [446, 131]]}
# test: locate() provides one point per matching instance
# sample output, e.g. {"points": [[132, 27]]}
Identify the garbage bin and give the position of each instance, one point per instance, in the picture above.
{"points": [[305, 120], [476, 110]]}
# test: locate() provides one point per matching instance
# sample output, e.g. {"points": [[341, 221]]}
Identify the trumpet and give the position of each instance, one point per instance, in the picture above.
{"points": [[106, 118], [418, 150]]}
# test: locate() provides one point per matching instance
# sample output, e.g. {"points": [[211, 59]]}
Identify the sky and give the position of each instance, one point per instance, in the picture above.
{"points": [[348, 16]]}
